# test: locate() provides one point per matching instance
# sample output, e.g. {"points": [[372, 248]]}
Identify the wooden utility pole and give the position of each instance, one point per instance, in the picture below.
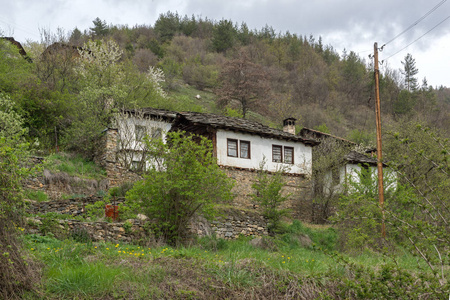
{"points": [[379, 152]]}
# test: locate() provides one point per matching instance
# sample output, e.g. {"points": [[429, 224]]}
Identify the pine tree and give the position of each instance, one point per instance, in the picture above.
{"points": [[409, 71], [100, 28]]}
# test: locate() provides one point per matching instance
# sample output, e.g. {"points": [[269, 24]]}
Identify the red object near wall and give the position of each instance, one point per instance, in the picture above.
{"points": [[112, 211]]}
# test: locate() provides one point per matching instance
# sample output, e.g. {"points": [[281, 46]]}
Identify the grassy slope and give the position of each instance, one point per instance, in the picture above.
{"points": [[210, 269]]}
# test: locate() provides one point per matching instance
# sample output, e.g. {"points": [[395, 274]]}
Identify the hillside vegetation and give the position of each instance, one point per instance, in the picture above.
{"points": [[287, 75], [76, 83]]}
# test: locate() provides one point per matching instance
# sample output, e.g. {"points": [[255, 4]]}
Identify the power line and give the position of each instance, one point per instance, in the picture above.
{"points": [[19, 27], [416, 22], [448, 17]]}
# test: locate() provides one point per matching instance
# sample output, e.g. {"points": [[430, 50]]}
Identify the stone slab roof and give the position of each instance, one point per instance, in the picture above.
{"points": [[354, 157], [318, 134], [153, 112], [241, 125]]}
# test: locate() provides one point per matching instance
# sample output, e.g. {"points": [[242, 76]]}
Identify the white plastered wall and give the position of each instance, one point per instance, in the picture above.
{"points": [[261, 147], [127, 137], [127, 131]]}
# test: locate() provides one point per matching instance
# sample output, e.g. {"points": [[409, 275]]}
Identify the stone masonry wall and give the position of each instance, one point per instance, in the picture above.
{"points": [[236, 223], [73, 207], [298, 187], [107, 158], [129, 231]]}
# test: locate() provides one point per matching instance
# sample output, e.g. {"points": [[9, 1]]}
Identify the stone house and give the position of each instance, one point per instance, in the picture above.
{"points": [[348, 164], [238, 144]]}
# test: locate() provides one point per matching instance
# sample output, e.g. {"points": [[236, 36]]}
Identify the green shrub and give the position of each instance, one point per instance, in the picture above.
{"points": [[96, 210], [127, 227], [120, 191], [38, 196], [74, 165], [212, 243], [81, 235], [191, 184], [268, 195]]}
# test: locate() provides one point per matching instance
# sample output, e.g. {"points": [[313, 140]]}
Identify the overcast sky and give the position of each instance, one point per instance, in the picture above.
{"points": [[351, 24]]}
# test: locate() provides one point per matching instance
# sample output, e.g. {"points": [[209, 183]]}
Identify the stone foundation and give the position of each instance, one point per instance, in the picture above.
{"points": [[233, 224], [107, 157], [73, 207], [297, 187], [130, 231], [236, 223]]}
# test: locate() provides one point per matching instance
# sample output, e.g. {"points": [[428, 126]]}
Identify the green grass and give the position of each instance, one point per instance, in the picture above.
{"points": [[74, 165], [38, 196], [209, 268], [184, 100]]}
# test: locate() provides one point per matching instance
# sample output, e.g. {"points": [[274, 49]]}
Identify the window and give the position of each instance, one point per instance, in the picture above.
{"points": [[232, 146], [245, 149], [137, 165], [156, 133], [139, 132], [277, 155], [288, 155]]}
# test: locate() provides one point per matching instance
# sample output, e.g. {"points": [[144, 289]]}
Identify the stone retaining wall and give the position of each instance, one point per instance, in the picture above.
{"points": [[107, 157], [236, 223], [96, 231], [297, 187], [74, 207]]}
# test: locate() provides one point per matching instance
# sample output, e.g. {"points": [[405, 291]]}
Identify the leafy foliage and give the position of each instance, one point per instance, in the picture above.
{"points": [[10, 121], [269, 196], [16, 276], [416, 212], [183, 180], [105, 87]]}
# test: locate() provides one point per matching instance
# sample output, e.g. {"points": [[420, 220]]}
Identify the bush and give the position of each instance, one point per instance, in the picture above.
{"points": [[81, 235], [15, 276], [183, 180], [38, 196], [268, 195]]}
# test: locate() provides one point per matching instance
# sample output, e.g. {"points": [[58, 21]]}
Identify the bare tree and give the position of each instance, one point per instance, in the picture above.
{"points": [[244, 82]]}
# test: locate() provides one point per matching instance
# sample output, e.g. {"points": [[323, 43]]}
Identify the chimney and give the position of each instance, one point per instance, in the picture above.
{"points": [[289, 125]]}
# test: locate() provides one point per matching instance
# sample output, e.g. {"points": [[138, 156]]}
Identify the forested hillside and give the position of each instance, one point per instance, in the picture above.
{"points": [[64, 91], [259, 74]]}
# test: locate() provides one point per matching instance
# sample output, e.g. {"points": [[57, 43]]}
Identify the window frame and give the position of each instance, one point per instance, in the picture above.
{"points": [[156, 132], [292, 155], [142, 132], [248, 149], [235, 141], [281, 153]]}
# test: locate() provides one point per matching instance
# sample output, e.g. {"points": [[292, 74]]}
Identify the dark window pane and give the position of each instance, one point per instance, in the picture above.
{"points": [[232, 148], [139, 132], [156, 133], [245, 149], [276, 154], [288, 155]]}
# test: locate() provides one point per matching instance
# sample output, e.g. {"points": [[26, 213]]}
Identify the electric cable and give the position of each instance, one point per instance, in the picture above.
{"points": [[418, 38], [20, 28], [416, 22]]}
